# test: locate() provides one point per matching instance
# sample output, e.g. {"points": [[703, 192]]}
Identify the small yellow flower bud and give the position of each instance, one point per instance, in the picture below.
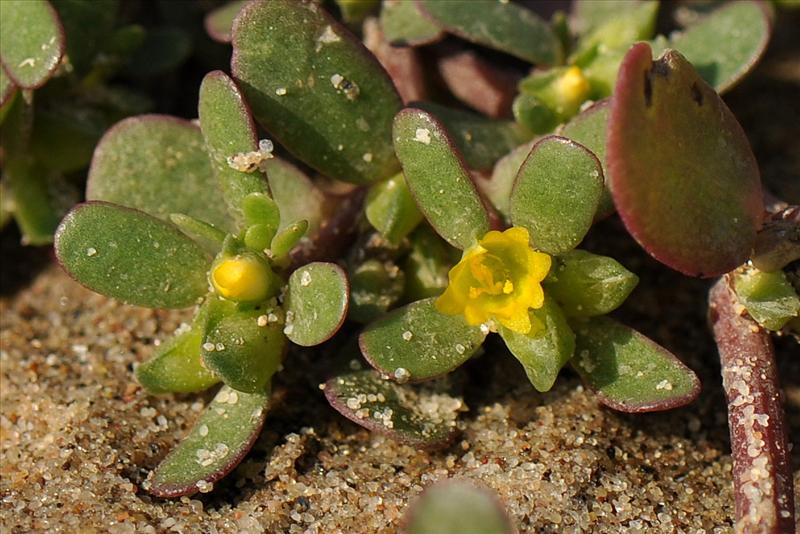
{"points": [[243, 278], [572, 88]]}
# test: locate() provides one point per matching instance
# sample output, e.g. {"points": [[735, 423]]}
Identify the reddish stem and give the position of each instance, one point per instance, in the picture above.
{"points": [[762, 475]]}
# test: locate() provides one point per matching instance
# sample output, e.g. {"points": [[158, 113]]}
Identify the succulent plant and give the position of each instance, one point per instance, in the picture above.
{"points": [[180, 215], [447, 225]]}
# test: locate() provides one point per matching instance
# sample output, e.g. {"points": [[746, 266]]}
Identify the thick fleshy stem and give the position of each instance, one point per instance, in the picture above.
{"points": [[762, 475]]}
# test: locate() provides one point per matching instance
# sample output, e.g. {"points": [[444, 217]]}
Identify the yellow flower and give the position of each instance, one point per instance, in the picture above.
{"points": [[243, 278], [498, 278]]}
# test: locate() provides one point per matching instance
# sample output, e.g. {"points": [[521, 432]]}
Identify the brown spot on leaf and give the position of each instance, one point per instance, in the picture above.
{"points": [[697, 94]]}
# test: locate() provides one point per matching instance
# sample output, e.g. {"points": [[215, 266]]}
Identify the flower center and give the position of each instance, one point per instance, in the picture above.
{"points": [[490, 276]]}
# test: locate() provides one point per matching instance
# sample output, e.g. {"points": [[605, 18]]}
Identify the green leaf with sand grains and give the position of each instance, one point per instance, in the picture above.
{"points": [[702, 164], [131, 256], [31, 41], [316, 303], [228, 129], [316, 88], [245, 347], [630, 372], [220, 439], [177, 365], [416, 342], [389, 408], [157, 164], [556, 194], [437, 178]]}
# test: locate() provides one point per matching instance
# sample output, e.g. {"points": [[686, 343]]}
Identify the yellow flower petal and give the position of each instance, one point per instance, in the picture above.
{"points": [[498, 278]]}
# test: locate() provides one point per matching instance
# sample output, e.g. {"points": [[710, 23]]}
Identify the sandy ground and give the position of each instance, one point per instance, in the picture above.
{"points": [[78, 436]]}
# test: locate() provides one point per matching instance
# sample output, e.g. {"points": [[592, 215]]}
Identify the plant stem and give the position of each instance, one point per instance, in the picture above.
{"points": [[762, 475]]}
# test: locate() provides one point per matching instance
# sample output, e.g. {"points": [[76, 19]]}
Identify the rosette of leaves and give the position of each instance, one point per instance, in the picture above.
{"points": [[179, 216], [555, 196], [57, 98]]}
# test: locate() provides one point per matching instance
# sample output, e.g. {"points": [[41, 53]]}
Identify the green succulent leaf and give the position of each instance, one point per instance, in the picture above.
{"points": [[482, 141], [219, 21], [31, 41], [228, 129], [64, 137], [427, 264], [589, 14], [177, 367], [296, 195], [220, 439], [503, 26], [244, 347], [543, 352], [208, 237], [131, 256], [630, 372], [416, 342], [316, 303], [702, 164], [768, 297], [157, 164], [316, 89], [40, 197], [556, 194], [457, 507], [635, 22], [403, 24], [285, 240], [743, 26], [391, 209], [375, 286], [87, 24], [589, 129], [585, 284], [388, 408], [437, 178]]}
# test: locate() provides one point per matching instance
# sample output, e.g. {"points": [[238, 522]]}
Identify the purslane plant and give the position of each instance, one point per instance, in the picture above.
{"points": [[230, 255]]}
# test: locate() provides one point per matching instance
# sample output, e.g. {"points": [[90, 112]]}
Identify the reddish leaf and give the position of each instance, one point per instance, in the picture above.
{"points": [[682, 174]]}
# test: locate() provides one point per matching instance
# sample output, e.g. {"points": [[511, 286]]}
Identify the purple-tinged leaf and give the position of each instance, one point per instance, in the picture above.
{"points": [[682, 174], [31, 41], [219, 21], [316, 89], [403, 65], [228, 129], [556, 194], [129, 255], [157, 164], [316, 303], [762, 467], [397, 411], [416, 342], [630, 372], [220, 439], [438, 179]]}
